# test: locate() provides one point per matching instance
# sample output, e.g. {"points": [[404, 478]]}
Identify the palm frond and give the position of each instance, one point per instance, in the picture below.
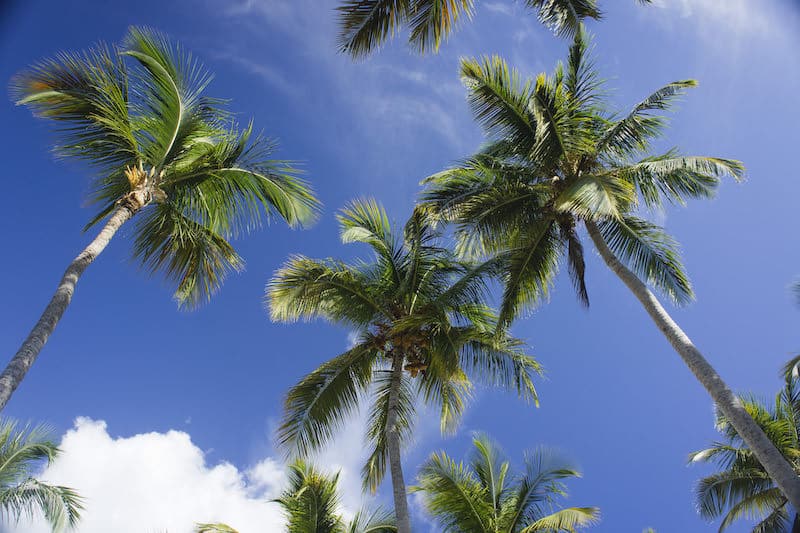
{"points": [[678, 178], [365, 24], [61, 506], [194, 257], [86, 95], [531, 264], [634, 132], [564, 16], [499, 100], [649, 252], [375, 521], [569, 519], [316, 407], [453, 495], [374, 469], [306, 288], [431, 21]]}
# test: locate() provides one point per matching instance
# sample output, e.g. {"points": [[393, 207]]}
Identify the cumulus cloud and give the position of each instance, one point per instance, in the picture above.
{"points": [[156, 482]]}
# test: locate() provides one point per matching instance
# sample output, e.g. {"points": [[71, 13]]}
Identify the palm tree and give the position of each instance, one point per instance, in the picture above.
{"points": [[365, 24], [21, 451], [311, 504], [743, 488], [557, 160], [165, 153], [423, 328], [482, 497]]}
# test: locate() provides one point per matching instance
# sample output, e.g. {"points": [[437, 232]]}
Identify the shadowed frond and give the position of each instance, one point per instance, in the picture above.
{"points": [[650, 252], [317, 406]]}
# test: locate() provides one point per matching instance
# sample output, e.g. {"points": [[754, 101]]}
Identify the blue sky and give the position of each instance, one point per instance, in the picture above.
{"points": [[203, 389]]}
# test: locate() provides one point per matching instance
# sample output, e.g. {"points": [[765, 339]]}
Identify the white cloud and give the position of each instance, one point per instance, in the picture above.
{"points": [[161, 482]]}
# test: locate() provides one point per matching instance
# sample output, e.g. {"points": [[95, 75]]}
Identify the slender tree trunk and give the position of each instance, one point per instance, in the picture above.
{"points": [[19, 365], [765, 451], [393, 448]]}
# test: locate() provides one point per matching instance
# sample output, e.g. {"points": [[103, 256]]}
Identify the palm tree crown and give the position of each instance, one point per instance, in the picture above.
{"points": [[311, 503], [743, 489], [366, 24], [138, 113], [423, 329], [483, 496], [556, 159], [21, 451]]}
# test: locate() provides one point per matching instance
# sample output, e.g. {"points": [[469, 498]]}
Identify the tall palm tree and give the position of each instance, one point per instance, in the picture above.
{"points": [[423, 329], [743, 489], [311, 504], [558, 160], [366, 24], [165, 153], [23, 450], [483, 497]]}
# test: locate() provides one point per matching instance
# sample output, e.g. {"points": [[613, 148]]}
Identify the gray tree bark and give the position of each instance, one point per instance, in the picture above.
{"points": [[767, 454], [393, 449], [19, 365]]}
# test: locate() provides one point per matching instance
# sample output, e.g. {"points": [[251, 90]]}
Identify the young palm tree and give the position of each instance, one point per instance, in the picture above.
{"points": [[423, 329], [558, 160], [366, 24], [743, 489], [482, 497], [164, 153], [311, 504], [21, 451]]}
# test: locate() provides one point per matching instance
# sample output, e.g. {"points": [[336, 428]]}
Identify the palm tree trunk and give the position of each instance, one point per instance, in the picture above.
{"points": [[770, 458], [393, 448], [796, 524], [19, 365]]}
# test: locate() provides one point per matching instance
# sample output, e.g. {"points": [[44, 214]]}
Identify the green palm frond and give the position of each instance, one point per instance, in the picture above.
{"points": [[189, 253], [633, 133], [565, 520], [540, 482], [453, 495], [484, 495], [375, 521], [532, 263], [304, 289], [311, 500], [595, 196], [87, 96], [677, 178], [364, 25], [431, 21], [565, 16], [317, 406], [23, 449], [650, 253], [499, 100], [374, 468]]}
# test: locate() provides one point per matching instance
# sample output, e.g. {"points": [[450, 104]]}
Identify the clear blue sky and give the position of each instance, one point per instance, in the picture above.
{"points": [[616, 399]]}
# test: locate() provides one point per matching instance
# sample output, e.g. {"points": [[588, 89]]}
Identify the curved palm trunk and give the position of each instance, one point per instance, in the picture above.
{"points": [[770, 458], [19, 365], [393, 449]]}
